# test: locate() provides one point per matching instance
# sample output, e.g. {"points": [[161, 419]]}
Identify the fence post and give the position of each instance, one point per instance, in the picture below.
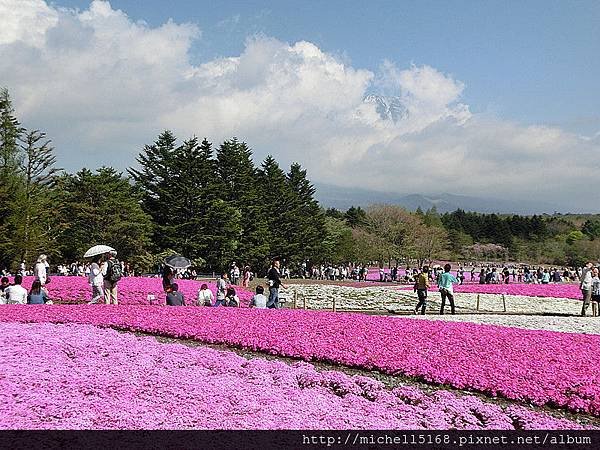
{"points": [[295, 299], [504, 302], [594, 309], [477, 302], [304, 301], [333, 304]]}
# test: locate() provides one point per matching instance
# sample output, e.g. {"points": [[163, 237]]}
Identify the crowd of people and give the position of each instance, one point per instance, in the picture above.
{"points": [[225, 292], [588, 277], [105, 271]]}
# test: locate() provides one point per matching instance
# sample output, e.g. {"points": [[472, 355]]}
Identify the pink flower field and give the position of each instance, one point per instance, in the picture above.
{"points": [[132, 290], [83, 377], [541, 367]]}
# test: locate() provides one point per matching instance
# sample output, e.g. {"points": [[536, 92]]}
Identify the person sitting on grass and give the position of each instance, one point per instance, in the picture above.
{"points": [[37, 295], [205, 296], [174, 297], [259, 300], [16, 294], [231, 299]]}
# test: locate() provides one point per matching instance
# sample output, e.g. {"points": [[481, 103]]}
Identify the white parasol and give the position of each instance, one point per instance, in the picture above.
{"points": [[98, 250]]}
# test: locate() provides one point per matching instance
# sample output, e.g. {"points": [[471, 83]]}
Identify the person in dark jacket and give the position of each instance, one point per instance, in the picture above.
{"points": [[274, 284], [174, 297]]}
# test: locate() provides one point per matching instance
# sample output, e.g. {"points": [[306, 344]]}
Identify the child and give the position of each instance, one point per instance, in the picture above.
{"points": [[259, 300]]}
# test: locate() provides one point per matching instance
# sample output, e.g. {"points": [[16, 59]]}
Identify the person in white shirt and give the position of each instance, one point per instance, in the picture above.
{"points": [[40, 269], [96, 281], [205, 296], [259, 300], [16, 294], [586, 286]]}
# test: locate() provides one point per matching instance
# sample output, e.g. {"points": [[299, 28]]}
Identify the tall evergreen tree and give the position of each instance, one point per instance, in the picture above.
{"points": [[157, 183], [205, 226], [241, 189], [10, 177], [280, 207], [34, 218], [307, 229]]}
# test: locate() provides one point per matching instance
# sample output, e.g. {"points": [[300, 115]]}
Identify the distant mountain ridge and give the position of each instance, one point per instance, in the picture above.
{"points": [[343, 198]]}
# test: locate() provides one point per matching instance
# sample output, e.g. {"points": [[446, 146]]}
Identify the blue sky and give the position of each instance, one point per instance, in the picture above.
{"points": [[495, 99], [528, 61]]}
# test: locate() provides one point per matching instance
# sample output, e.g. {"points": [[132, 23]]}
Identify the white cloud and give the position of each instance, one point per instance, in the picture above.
{"points": [[103, 86]]}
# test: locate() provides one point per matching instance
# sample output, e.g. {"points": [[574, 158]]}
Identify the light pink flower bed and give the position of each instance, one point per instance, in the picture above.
{"points": [[541, 367], [82, 377]]}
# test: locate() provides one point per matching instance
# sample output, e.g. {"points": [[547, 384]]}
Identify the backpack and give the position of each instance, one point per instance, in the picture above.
{"points": [[114, 272]]}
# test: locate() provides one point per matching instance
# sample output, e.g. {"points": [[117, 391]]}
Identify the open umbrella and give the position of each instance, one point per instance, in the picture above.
{"points": [[98, 250], [178, 262]]}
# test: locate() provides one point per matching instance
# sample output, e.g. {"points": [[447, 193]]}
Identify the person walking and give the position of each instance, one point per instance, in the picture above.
{"points": [[112, 271], [96, 280], [274, 284], [445, 282], [421, 286], [586, 286]]}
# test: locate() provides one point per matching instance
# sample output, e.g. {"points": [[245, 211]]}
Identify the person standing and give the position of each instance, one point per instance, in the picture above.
{"points": [[40, 269], [445, 282], [246, 276], [96, 280], [16, 294], [112, 271], [274, 284], [167, 278], [586, 286], [595, 286], [421, 286], [221, 290]]}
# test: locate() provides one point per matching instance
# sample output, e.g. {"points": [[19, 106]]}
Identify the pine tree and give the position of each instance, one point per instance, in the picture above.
{"points": [[240, 189], [34, 217], [280, 207], [157, 183], [307, 229], [10, 177]]}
